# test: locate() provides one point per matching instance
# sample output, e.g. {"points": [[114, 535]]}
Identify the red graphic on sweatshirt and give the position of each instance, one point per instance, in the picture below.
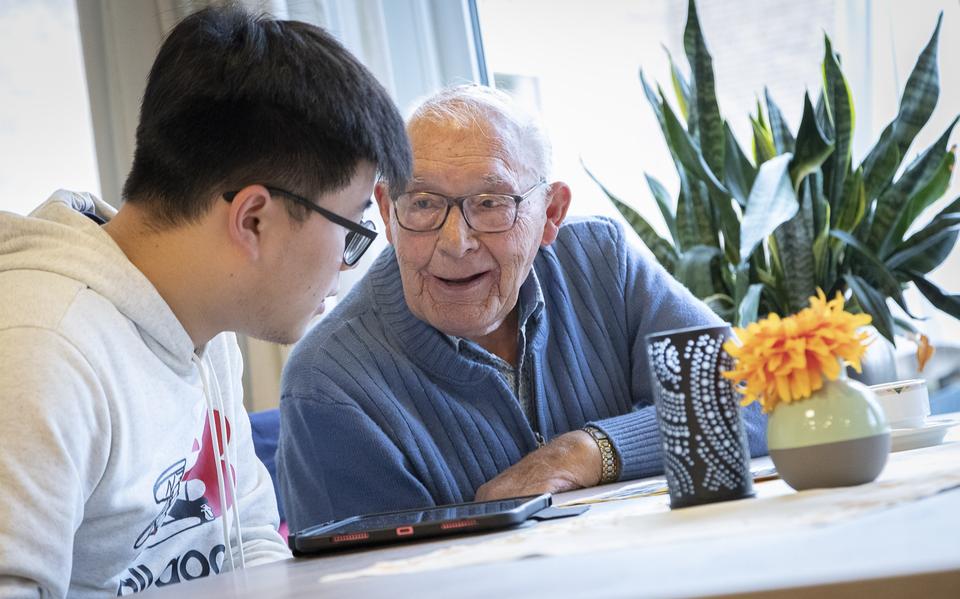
{"points": [[187, 490], [204, 469]]}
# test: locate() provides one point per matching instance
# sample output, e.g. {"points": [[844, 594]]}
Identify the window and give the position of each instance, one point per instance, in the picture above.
{"points": [[46, 137]]}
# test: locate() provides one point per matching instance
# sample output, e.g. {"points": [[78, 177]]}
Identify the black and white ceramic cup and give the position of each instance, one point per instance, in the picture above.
{"points": [[705, 453]]}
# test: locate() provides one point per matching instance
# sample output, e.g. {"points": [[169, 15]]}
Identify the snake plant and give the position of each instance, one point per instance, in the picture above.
{"points": [[754, 236]]}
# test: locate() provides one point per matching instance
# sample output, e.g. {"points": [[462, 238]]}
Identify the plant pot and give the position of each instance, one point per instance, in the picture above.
{"points": [[838, 437], [878, 365]]}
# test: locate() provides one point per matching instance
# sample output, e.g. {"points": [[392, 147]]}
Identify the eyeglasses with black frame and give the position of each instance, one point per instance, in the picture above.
{"points": [[359, 235], [423, 211]]}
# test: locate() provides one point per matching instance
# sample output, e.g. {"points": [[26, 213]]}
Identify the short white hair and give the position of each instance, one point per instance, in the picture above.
{"points": [[478, 105]]}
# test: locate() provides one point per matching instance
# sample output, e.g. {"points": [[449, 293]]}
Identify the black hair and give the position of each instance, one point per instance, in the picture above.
{"points": [[235, 99]]}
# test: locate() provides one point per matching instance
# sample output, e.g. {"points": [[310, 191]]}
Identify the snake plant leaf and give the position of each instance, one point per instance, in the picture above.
{"points": [[687, 151], [917, 103], [876, 270], [703, 92], [749, 307], [896, 199], [852, 204], [783, 140], [721, 304], [820, 204], [729, 224], [885, 278], [927, 187], [881, 164], [771, 203], [831, 277], [779, 289], [741, 280], [823, 119], [812, 147], [839, 105], [738, 173], [927, 248], [681, 89], [948, 302], [695, 224], [728, 276], [873, 303], [662, 249], [821, 225], [665, 205], [920, 94], [688, 233], [929, 193], [657, 107], [697, 269], [763, 148], [795, 244]]}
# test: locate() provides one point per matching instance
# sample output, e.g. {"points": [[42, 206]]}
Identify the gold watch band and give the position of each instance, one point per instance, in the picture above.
{"points": [[609, 461]]}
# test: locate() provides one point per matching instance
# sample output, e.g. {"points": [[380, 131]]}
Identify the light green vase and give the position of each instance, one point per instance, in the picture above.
{"points": [[838, 437]]}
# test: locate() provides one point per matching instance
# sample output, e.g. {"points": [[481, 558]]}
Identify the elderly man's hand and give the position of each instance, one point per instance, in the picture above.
{"points": [[571, 461]]}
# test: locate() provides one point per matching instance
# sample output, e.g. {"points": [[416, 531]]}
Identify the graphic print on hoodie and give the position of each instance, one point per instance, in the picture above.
{"points": [[187, 491]]}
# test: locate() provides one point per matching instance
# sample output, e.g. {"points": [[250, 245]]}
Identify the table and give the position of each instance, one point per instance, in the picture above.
{"points": [[909, 550]]}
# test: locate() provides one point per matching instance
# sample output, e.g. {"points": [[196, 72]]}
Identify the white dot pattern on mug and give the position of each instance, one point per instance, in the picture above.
{"points": [[715, 407], [674, 431]]}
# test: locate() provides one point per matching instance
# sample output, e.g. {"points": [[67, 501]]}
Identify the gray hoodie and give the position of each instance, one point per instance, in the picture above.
{"points": [[110, 423]]}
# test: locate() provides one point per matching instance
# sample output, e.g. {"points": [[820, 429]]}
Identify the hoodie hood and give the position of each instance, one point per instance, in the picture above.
{"points": [[63, 236]]}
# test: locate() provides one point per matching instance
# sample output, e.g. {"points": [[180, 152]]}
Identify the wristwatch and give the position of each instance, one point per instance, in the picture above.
{"points": [[609, 460]]}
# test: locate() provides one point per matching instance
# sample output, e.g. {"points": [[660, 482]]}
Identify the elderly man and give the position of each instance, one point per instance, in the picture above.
{"points": [[494, 350]]}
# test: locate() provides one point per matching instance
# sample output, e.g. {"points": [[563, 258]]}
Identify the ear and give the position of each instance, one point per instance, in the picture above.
{"points": [[557, 203], [250, 213], [382, 193]]}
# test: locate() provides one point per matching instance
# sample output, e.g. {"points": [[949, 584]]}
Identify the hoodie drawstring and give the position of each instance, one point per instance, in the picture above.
{"points": [[219, 439], [229, 467]]}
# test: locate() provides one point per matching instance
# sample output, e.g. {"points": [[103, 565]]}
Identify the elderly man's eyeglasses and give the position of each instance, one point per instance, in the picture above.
{"points": [[359, 235], [422, 211]]}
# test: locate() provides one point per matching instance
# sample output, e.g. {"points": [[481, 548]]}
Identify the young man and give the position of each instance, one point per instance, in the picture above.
{"points": [[125, 453]]}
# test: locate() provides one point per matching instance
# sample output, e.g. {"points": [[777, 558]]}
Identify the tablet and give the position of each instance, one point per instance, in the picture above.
{"points": [[386, 527]]}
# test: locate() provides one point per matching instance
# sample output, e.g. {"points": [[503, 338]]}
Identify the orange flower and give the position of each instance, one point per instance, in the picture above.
{"points": [[785, 359]]}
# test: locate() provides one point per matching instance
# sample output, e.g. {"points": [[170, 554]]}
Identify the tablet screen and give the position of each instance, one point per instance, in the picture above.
{"points": [[409, 517]]}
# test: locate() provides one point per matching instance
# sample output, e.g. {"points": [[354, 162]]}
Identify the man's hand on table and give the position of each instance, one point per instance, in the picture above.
{"points": [[569, 462]]}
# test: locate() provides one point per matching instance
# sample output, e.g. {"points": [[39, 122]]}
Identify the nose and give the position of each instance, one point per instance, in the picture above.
{"points": [[456, 237]]}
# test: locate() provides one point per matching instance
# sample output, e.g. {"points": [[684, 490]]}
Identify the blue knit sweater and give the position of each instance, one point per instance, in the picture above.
{"points": [[380, 412]]}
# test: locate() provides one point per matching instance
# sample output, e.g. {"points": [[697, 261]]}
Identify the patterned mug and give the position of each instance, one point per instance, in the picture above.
{"points": [[705, 453]]}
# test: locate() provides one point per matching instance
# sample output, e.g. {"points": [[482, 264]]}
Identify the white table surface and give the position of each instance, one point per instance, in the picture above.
{"points": [[909, 550]]}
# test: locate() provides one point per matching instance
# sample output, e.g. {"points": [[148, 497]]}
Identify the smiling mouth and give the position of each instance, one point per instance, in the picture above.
{"points": [[462, 281]]}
